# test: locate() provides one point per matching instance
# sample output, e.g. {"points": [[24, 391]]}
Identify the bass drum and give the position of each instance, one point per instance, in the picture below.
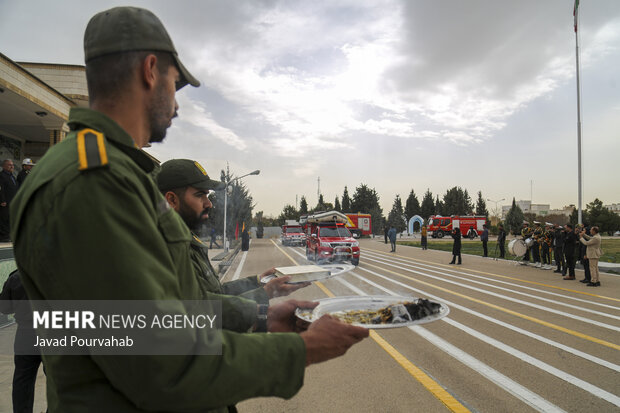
{"points": [[517, 247]]}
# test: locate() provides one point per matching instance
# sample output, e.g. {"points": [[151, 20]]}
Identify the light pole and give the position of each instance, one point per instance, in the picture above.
{"points": [[496, 202], [256, 172]]}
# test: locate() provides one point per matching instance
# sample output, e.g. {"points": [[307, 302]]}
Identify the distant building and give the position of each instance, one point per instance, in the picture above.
{"points": [[614, 208], [528, 207]]}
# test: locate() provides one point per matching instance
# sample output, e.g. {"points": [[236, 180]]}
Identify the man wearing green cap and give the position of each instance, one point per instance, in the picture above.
{"points": [[102, 231], [185, 184]]}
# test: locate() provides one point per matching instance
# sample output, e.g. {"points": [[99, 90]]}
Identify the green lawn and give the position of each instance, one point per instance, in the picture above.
{"points": [[611, 248]]}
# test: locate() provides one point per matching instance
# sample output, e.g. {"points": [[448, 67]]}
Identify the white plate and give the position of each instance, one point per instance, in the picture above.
{"points": [[350, 303], [334, 270]]}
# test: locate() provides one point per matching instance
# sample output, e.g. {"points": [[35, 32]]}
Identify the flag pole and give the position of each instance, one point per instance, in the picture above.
{"points": [[579, 184]]}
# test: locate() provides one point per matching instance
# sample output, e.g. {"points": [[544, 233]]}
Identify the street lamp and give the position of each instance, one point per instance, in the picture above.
{"points": [[256, 172], [496, 202]]}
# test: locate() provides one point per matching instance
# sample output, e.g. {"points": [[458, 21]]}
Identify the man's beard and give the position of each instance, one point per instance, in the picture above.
{"points": [[190, 218], [159, 115]]}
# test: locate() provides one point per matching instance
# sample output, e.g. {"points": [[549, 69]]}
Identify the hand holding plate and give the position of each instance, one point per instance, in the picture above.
{"points": [[328, 338], [281, 317], [278, 287]]}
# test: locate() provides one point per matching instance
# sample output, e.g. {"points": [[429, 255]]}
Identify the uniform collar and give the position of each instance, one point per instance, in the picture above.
{"points": [[84, 117]]}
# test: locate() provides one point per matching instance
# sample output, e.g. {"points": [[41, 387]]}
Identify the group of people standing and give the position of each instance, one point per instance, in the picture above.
{"points": [[568, 245]]}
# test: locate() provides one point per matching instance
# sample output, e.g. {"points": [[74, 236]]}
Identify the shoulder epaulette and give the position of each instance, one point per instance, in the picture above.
{"points": [[91, 148]]}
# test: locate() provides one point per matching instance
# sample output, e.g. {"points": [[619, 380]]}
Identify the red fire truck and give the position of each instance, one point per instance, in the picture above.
{"points": [[359, 224], [293, 233], [470, 226], [329, 240]]}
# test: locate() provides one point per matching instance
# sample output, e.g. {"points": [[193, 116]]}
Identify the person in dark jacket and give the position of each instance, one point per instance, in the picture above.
{"points": [[385, 232], [456, 247], [484, 237], [13, 300], [392, 237], [558, 249], [213, 239], [587, 276], [570, 244], [27, 165], [245, 240], [501, 241], [8, 189]]}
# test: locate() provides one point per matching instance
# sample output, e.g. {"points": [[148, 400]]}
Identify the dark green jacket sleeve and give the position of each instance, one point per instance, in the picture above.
{"points": [[104, 234], [249, 288]]}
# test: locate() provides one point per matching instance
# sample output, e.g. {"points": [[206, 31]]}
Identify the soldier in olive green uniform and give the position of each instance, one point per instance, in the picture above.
{"points": [[90, 224], [185, 184]]}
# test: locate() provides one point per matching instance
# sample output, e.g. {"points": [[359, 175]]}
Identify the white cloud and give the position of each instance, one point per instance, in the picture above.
{"points": [[195, 113]]}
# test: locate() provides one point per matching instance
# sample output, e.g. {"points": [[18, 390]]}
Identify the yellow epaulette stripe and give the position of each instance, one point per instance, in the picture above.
{"points": [[91, 148]]}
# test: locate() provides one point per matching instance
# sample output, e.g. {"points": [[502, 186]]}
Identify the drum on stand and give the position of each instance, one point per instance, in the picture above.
{"points": [[517, 247]]}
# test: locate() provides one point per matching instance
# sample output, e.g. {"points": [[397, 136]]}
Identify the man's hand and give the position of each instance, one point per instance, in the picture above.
{"points": [[268, 272], [328, 338], [281, 317], [278, 287]]}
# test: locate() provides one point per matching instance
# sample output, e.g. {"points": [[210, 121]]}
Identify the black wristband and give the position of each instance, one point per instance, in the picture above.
{"points": [[261, 318]]}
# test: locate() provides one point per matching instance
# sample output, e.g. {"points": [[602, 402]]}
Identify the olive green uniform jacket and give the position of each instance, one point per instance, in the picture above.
{"points": [[249, 287], [90, 224]]}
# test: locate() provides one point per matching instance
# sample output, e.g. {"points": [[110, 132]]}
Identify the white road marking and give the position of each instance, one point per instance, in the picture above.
{"points": [[420, 265], [545, 340], [504, 297]]}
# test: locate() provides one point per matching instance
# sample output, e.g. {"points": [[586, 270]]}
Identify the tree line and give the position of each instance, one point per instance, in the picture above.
{"points": [[456, 201]]}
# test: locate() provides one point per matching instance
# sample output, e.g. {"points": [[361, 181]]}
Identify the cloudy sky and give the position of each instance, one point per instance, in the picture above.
{"points": [[398, 95]]}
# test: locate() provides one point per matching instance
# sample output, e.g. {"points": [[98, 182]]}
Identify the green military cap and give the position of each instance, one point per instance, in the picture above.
{"points": [[179, 173], [131, 29]]}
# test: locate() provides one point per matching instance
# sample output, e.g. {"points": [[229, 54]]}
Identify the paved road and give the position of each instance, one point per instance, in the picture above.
{"points": [[517, 338]]}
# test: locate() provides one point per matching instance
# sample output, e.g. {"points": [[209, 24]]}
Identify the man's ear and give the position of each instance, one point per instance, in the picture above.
{"points": [[173, 200], [149, 71]]}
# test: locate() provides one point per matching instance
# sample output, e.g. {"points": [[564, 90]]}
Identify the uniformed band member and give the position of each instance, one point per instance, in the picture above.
{"points": [[558, 249], [185, 184], [547, 242], [537, 237], [102, 230], [526, 233]]}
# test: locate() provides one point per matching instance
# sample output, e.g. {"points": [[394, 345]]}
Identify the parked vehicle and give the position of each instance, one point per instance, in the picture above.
{"points": [[329, 240], [470, 226], [359, 224], [293, 234]]}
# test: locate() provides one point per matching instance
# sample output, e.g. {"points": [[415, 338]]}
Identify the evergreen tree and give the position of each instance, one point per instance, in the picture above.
{"points": [[289, 212], [337, 205], [440, 208], [321, 205], [395, 217], [481, 206], [514, 218], [366, 200], [412, 206], [238, 206], [346, 201], [456, 201], [607, 221], [303, 206], [428, 205]]}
